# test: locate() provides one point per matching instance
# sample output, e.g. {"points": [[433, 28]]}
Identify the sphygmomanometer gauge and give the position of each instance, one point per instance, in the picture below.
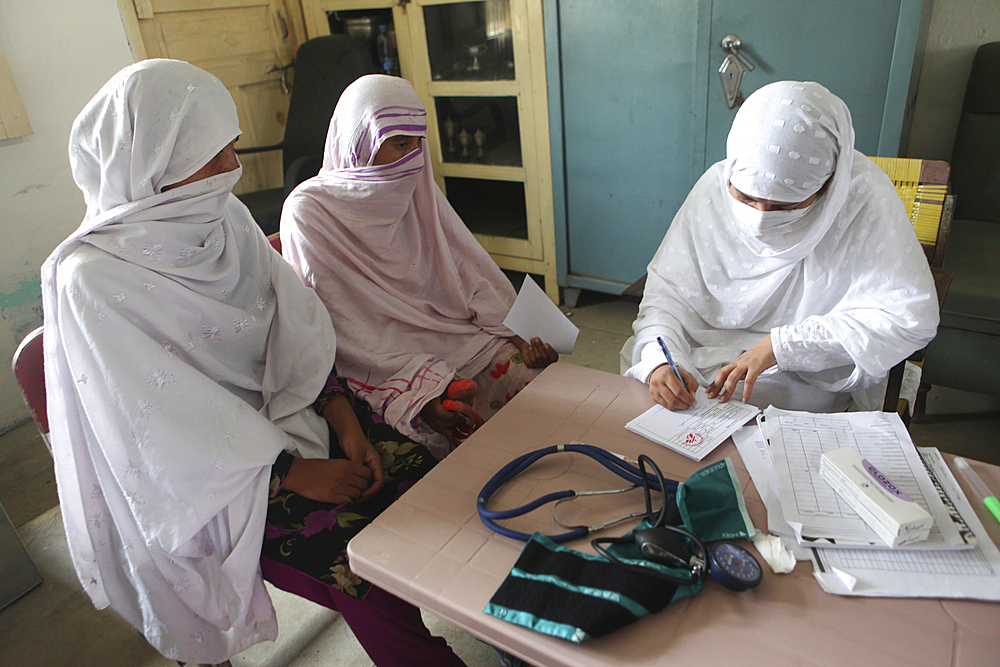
{"points": [[734, 567]]}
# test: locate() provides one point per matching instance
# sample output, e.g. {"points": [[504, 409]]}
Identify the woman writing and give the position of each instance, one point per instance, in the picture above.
{"points": [[791, 275]]}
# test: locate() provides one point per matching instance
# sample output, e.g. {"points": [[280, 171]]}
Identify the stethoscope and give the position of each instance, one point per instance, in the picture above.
{"points": [[729, 564]]}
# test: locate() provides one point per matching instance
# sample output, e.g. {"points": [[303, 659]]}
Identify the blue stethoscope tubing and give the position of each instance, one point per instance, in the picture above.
{"points": [[616, 463]]}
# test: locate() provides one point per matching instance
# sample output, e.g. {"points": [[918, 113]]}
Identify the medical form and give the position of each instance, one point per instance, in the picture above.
{"points": [[696, 431], [814, 510]]}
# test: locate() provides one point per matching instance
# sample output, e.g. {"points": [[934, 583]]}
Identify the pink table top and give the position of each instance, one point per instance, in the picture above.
{"points": [[431, 549]]}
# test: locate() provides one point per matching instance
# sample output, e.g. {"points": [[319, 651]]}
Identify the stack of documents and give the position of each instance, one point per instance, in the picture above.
{"points": [[782, 453]]}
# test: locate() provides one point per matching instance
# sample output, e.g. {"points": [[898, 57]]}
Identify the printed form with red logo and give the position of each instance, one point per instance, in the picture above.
{"points": [[696, 431]]}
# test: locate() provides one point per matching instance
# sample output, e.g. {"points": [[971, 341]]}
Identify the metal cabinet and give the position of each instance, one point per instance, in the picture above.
{"points": [[638, 109]]}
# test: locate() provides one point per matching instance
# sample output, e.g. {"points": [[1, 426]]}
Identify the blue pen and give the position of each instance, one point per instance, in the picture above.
{"points": [[670, 360]]}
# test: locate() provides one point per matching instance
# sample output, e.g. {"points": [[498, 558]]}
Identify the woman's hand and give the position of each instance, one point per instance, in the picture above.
{"points": [[360, 450], [339, 413], [439, 419], [747, 367], [668, 391], [536, 354], [334, 481]]}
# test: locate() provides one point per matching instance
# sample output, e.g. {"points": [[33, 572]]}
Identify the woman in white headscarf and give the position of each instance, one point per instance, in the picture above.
{"points": [[182, 359], [419, 305], [791, 268]]}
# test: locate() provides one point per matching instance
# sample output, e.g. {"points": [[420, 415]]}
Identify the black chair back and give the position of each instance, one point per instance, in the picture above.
{"points": [[324, 67], [975, 161]]}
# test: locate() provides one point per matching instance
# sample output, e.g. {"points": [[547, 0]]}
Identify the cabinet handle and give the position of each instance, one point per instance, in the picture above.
{"points": [[732, 69], [284, 24]]}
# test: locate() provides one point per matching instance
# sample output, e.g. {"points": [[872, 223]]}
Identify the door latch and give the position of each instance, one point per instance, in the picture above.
{"points": [[732, 69]]}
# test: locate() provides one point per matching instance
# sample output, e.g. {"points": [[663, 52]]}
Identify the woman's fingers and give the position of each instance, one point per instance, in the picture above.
{"points": [[437, 417], [670, 392], [328, 480], [537, 354], [747, 367]]}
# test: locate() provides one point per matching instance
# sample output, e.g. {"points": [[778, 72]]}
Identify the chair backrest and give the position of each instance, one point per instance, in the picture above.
{"points": [[923, 187], [324, 67], [28, 365], [974, 158], [275, 240]]}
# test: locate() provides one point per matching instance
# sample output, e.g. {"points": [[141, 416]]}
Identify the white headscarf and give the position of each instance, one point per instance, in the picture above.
{"points": [[843, 288], [415, 298], [173, 377]]}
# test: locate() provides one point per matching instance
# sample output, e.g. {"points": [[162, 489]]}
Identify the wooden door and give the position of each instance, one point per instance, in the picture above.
{"points": [[636, 89], [249, 44]]}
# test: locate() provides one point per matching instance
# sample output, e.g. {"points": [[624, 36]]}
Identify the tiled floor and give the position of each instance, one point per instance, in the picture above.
{"points": [[55, 624]]}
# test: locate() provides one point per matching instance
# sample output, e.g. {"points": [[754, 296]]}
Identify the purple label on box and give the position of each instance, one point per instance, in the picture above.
{"points": [[885, 481]]}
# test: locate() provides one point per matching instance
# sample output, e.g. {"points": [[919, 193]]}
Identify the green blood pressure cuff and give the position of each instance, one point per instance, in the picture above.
{"points": [[565, 593], [711, 504]]}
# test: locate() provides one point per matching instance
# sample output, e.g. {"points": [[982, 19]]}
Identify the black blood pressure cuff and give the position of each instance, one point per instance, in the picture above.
{"points": [[576, 596]]}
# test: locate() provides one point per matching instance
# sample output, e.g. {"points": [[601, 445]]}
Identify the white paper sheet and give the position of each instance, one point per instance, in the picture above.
{"points": [[810, 505], [696, 431], [533, 315], [752, 446], [973, 573]]}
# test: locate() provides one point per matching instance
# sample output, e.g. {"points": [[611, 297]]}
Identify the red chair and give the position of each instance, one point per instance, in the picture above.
{"points": [[275, 241], [19, 573], [28, 365]]}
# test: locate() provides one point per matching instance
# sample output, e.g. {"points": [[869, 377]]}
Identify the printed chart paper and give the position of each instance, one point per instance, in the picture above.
{"points": [[972, 573], [817, 513], [696, 431]]}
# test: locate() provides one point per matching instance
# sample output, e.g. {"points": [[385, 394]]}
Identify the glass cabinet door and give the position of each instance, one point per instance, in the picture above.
{"points": [[476, 77], [479, 130], [470, 41], [371, 21]]}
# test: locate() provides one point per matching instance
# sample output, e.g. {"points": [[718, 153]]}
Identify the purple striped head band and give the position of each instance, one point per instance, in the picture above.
{"points": [[389, 172]]}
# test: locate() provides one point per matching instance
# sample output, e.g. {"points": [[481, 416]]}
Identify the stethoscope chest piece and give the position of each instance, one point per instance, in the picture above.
{"points": [[734, 567]]}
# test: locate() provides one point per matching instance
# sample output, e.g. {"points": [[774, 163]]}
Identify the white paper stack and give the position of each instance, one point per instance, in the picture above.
{"points": [[812, 522]]}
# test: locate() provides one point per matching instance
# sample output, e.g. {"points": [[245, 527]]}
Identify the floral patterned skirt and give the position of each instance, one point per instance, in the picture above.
{"points": [[311, 536]]}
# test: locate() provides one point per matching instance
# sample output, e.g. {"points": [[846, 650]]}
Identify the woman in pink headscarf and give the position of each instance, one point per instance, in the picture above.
{"points": [[418, 304]]}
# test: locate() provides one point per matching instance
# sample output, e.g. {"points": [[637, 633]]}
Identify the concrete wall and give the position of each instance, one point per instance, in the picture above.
{"points": [[957, 29], [60, 52]]}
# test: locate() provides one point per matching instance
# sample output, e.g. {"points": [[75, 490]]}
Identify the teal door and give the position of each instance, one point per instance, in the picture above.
{"points": [[638, 111]]}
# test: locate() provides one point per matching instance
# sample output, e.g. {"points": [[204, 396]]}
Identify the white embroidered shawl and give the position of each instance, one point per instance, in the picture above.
{"points": [[181, 355]]}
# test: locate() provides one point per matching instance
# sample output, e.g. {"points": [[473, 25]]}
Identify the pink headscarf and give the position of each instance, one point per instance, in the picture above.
{"points": [[415, 299]]}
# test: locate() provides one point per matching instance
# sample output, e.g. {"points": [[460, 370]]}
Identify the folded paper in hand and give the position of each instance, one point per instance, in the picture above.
{"points": [[533, 315]]}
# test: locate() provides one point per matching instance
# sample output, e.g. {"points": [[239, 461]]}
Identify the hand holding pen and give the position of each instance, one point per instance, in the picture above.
{"points": [[670, 386]]}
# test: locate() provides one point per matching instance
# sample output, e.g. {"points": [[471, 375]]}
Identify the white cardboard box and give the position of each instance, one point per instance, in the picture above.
{"points": [[892, 514]]}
